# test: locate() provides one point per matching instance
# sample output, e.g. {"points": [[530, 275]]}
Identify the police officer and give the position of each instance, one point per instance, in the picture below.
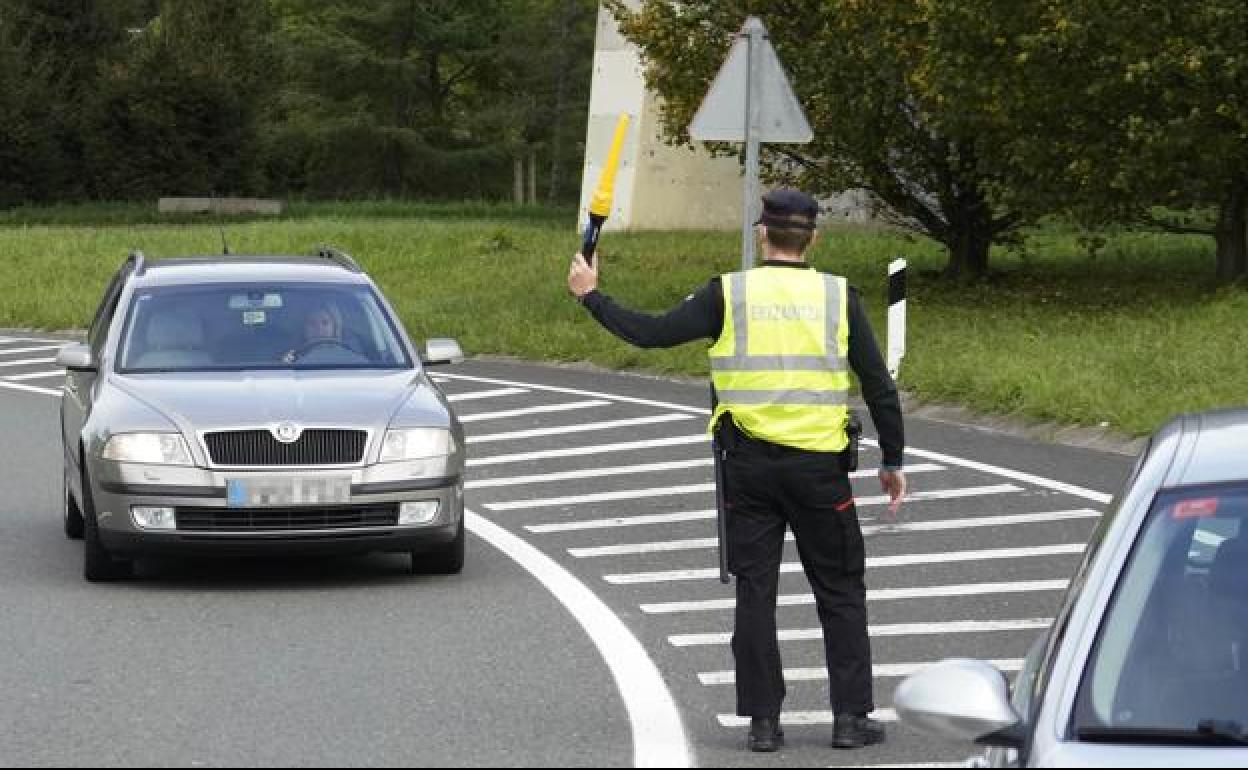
{"points": [[785, 338]]}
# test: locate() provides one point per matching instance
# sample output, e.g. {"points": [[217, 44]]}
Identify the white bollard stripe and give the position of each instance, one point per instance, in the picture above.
{"points": [[552, 454], [497, 393], [974, 522], [543, 409], [901, 560], [879, 671], [896, 629], [896, 315], [873, 595], [560, 430], [591, 473]]}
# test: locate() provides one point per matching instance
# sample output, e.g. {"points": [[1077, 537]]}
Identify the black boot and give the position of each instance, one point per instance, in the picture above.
{"points": [[765, 734], [853, 731]]}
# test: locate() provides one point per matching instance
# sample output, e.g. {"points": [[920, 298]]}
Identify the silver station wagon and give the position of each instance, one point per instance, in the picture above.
{"points": [[1146, 663], [251, 404]]}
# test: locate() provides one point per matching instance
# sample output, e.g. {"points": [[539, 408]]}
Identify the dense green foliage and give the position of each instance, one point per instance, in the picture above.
{"points": [[131, 99], [966, 119]]}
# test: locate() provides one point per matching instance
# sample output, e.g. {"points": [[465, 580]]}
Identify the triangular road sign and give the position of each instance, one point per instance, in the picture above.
{"points": [[722, 118]]}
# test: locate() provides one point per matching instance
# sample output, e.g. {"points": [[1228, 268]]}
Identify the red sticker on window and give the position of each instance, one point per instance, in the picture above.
{"points": [[1196, 509]]}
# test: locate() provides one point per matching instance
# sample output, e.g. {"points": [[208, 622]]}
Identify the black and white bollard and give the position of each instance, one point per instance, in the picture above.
{"points": [[896, 315]]}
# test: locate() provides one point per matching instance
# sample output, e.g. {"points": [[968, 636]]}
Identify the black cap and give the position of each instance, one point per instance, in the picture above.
{"points": [[787, 207]]}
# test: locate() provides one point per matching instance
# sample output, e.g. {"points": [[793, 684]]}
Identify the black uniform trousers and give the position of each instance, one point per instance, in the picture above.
{"points": [[768, 488]]}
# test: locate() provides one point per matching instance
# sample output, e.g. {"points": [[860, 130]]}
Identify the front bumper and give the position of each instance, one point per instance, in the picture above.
{"points": [[359, 525]]}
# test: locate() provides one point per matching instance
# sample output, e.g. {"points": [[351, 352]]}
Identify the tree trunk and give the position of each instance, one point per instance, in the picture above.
{"points": [[518, 179], [561, 87], [532, 176], [1231, 234], [968, 246]]}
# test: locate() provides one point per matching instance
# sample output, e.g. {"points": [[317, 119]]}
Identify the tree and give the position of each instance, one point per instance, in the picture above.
{"points": [[1110, 110], [858, 69]]}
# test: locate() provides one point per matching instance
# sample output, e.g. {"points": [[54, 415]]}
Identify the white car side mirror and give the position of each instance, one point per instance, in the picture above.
{"points": [[962, 699], [441, 351]]}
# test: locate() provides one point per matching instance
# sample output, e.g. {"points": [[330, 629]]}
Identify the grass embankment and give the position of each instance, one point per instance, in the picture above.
{"points": [[1128, 338]]}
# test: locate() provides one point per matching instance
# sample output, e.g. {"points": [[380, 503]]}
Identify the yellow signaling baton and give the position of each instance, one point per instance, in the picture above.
{"points": [[600, 204]]}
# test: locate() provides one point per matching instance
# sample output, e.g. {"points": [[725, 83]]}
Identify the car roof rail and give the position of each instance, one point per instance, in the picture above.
{"points": [[137, 262], [339, 256]]}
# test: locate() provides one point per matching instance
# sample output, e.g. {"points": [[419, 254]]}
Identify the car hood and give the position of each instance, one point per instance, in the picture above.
{"points": [[206, 401]]}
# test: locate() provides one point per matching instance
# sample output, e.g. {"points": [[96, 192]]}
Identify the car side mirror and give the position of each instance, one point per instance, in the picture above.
{"points": [[441, 351], [77, 357], [961, 699]]}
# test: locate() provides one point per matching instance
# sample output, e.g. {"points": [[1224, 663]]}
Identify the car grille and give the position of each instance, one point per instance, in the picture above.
{"points": [[286, 519], [313, 447]]}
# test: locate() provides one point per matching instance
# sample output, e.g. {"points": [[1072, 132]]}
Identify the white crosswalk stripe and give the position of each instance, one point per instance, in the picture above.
{"points": [[36, 375], [560, 430], [668, 518], [583, 451], [480, 394], [916, 526], [531, 410], [893, 629], [879, 671], [873, 595], [901, 560]]}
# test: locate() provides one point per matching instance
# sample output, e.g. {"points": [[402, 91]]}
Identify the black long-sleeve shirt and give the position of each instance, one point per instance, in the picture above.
{"points": [[701, 316]]}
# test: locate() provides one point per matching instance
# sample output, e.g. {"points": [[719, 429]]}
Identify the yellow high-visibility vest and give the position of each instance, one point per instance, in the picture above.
{"points": [[780, 365]]}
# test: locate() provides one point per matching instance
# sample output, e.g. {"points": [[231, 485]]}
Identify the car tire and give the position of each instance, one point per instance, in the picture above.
{"points": [[447, 560], [74, 525], [98, 565]]}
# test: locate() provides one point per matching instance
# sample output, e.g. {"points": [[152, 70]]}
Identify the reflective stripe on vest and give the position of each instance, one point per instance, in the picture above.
{"points": [[780, 363]]}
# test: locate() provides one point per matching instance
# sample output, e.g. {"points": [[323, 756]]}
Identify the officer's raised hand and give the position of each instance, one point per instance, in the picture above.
{"points": [[582, 277]]}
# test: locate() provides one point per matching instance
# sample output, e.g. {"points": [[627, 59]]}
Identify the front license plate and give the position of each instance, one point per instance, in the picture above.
{"points": [[258, 492]]}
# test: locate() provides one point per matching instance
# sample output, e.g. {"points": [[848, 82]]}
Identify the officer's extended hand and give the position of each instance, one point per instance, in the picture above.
{"points": [[894, 483], [582, 277]]}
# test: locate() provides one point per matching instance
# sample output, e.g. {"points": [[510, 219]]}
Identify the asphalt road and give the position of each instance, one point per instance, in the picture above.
{"points": [[590, 601]]}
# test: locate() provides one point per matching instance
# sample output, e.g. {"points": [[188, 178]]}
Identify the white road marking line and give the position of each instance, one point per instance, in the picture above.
{"points": [[667, 518], [36, 349], [876, 562], [895, 629], [576, 392], [497, 393], [560, 430], [796, 718], [873, 595], [36, 375], [624, 470], [29, 388], [879, 671], [601, 497], [972, 522], [543, 409], [1040, 481], [552, 454], [590, 473], [659, 738], [952, 763], [26, 361]]}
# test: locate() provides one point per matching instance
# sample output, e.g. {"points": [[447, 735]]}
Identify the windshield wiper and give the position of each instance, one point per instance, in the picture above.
{"points": [[1208, 732]]}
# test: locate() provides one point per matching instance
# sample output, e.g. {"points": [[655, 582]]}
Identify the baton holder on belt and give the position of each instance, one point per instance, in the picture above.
{"points": [[853, 429], [721, 508]]}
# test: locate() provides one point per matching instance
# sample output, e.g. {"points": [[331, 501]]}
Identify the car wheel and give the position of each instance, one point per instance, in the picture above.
{"points": [[74, 524], [447, 560], [98, 566]]}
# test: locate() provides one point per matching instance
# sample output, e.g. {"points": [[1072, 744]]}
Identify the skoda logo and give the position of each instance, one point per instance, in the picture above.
{"points": [[287, 432]]}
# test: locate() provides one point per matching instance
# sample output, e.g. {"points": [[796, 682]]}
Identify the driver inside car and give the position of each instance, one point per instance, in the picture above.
{"points": [[322, 331]]}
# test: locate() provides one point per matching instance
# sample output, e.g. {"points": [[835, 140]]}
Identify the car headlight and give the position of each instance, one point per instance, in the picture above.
{"points": [[416, 444], [148, 448]]}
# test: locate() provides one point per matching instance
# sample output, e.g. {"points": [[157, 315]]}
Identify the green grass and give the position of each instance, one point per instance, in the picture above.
{"points": [[1128, 338]]}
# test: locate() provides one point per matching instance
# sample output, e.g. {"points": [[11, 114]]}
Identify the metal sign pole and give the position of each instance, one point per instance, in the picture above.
{"points": [[755, 31]]}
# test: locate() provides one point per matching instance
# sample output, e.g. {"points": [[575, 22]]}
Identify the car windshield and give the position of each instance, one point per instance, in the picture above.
{"points": [[1172, 654], [254, 326]]}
